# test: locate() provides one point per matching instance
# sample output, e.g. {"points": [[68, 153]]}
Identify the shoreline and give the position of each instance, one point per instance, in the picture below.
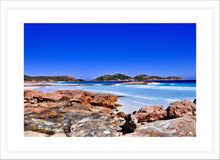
{"points": [[50, 113], [133, 96], [104, 83]]}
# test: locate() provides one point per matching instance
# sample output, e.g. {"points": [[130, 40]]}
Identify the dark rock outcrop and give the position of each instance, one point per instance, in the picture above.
{"points": [[129, 126], [194, 101]]}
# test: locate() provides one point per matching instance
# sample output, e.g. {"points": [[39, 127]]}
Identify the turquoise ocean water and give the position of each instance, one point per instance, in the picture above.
{"points": [[134, 96]]}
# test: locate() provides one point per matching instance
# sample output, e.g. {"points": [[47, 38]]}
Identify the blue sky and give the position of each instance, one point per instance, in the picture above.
{"points": [[89, 50]]}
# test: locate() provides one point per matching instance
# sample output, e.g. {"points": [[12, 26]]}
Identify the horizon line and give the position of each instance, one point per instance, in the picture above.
{"points": [[104, 75]]}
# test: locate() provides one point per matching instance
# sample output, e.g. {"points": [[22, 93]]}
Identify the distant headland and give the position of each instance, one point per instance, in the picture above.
{"points": [[104, 78], [142, 77]]}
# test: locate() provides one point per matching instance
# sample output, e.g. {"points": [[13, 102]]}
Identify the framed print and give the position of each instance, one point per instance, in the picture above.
{"points": [[113, 104], [109, 79]]}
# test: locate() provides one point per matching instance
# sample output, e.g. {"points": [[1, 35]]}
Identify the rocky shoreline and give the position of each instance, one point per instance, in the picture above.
{"points": [[77, 113]]}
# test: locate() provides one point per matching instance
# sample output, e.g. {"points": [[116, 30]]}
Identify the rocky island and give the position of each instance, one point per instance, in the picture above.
{"points": [[77, 113]]}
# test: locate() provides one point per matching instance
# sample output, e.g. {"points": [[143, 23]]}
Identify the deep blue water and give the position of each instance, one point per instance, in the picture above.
{"points": [[135, 96]]}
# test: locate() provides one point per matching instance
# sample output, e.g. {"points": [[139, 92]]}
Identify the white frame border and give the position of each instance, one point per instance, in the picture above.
{"points": [[216, 80]]}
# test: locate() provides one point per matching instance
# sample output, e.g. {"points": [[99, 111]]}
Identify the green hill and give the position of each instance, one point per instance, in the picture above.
{"points": [[115, 77], [51, 78], [142, 77], [145, 77]]}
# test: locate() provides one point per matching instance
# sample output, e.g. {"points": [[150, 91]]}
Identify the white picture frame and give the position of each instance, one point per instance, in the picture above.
{"points": [[205, 13]]}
